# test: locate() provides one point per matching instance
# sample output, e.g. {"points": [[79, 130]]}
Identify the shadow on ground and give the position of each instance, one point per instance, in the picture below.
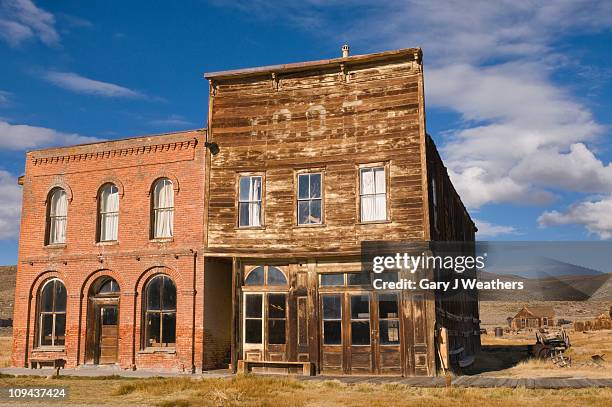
{"points": [[497, 357]]}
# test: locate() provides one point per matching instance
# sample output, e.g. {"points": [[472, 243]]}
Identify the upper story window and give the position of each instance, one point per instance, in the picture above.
{"points": [[309, 202], [52, 314], [108, 218], [249, 201], [57, 216], [373, 194], [163, 209]]}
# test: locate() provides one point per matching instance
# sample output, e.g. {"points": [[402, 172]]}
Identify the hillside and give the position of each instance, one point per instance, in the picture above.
{"points": [[7, 290]]}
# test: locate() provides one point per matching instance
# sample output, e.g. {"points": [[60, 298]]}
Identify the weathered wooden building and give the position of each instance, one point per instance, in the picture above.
{"points": [[534, 317], [314, 159]]}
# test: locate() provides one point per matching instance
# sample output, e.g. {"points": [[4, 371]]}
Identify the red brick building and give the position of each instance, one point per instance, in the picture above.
{"points": [[109, 254]]}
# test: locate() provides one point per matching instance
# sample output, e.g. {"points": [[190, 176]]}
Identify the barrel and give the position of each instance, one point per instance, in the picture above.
{"points": [[499, 331]]}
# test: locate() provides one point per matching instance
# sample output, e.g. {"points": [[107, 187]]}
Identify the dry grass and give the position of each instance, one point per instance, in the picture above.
{"points": [[265, 391], [507, 356]]}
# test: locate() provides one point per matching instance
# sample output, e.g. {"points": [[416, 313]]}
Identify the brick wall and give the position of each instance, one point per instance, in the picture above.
{"points": [[133, 165]]}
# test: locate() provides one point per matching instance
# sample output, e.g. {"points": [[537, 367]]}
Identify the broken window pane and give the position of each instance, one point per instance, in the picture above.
{"points": [[276, 306]]}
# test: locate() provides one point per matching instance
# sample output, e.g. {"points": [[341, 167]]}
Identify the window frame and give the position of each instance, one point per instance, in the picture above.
{"points": [[296, 201], [53, 313], [154, 209], [262, 216], [49, 218], [161, 312], [100, 213], [358, 196]]}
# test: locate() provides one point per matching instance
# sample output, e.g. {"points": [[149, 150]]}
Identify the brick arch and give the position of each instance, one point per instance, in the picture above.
{"points": [[44, 277], [93, 276], [111, 180], [58, 183], [155, 270], [164, 174]]}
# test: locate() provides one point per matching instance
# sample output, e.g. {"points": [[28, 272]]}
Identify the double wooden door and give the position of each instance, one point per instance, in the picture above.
{"points": [[360, 332]]}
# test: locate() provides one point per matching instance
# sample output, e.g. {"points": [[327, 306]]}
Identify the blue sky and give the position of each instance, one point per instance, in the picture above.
{"points": [[518, 93]]}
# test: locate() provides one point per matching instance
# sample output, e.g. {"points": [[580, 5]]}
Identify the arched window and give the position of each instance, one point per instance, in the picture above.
{"points": [[57, 216], [163, 209], [160, 312], [52, 314], [267, 275], [108, 219], [108, 287]]}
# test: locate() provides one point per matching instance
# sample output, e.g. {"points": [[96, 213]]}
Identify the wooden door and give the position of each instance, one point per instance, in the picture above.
{"points": [[361, 335], [332, 333], [388, 333], [108, 339], [276, 327]]}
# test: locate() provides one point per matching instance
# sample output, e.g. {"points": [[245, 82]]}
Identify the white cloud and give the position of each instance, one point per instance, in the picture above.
{"points": [[25, 137], [594, 215], [80, 84], [4, 98], [487, 229], [21, 21], [10, 206], [172, 120]]}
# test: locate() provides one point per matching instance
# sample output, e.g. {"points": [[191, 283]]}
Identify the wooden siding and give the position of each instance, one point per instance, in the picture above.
{"points": [[325, 120]]}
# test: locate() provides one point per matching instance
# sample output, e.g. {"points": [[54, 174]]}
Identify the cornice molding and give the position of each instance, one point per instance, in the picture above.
{"points": [[41, 159]]}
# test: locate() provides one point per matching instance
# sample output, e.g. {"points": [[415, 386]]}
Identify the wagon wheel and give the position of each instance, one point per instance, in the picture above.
{"points": [[543, 352]]}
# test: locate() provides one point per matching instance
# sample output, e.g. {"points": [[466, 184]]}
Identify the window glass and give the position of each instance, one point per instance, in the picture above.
{"points": [[389, 332], [160, 318], [253, 331], [163, 208], [362, 278], [360, 306], [276, 306], [52, 314], [276, 331], [253, 307], [309, 199], [249, 205], [332, 307], [47, 330], [57, 216], [387, 306], [46, 301], [109, 213], [332, 279], [255, 277], [109, 286], [276, 277], [373, 194]]}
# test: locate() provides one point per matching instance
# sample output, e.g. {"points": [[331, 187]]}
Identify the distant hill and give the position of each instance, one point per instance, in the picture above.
{"points": [[7, 290]]}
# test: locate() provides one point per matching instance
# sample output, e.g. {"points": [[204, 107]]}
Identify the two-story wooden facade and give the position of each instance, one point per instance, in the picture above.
{"points": [[314, 159], [242, 242]]}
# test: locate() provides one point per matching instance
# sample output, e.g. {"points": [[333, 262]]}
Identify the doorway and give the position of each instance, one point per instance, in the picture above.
{"points": [[103, 322]]}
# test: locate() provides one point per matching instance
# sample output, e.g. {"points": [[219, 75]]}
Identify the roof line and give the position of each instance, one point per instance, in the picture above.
{"points": [[117, 140], [304, 66]]}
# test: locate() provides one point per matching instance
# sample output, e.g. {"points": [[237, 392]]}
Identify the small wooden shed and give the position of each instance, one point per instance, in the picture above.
{"points": [[534, 317]]}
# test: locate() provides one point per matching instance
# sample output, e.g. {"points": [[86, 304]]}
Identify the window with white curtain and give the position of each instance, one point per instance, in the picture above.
{"points": [[163, 209], [249, 201], [373, 194], [109, 213], [57, 216]]}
